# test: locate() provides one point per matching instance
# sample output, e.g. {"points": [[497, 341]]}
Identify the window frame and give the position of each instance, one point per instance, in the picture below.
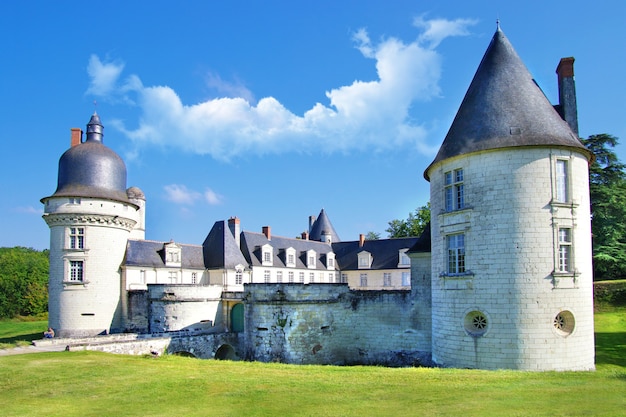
{"points": [[454, 190], [456, 254]]}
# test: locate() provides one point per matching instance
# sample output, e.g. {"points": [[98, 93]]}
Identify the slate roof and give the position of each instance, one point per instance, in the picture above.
{"points": [[251, 244], [150, 254], [322, 225], [385, 252], [220, 248], [504, 107]]}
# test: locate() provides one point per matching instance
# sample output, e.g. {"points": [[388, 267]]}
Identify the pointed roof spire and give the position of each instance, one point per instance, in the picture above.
{"points": [[504, 107], [323, 226]]}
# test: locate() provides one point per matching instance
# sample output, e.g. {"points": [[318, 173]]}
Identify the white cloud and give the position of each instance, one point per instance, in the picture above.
{"points": [[366, 115], [436, 30], [212, 197], [104, 76], [179, 194]]}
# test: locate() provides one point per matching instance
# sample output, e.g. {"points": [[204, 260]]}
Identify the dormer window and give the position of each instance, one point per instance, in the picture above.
{"points": [[404, 258], [267, 255], [291, 257], [330, 260], [311, 256], [173, 254], [365, 260]]}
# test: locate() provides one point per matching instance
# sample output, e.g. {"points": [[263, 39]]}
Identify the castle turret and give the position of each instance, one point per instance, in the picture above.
{"points": [[91, 217], [511, 244]]}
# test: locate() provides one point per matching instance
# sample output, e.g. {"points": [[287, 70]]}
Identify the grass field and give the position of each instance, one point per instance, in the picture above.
{"points": [[96, 384]]}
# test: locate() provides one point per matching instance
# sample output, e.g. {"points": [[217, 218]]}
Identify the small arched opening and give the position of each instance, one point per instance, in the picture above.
{"points": [[226, 353]]}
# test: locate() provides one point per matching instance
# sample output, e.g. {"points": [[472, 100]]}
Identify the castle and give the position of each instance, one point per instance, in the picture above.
{"points": [[502, 278]]}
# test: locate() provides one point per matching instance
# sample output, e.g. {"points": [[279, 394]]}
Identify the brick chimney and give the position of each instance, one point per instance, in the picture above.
{"points": [[267, 231], [235, 229], [567, 93], [76, 136], [361, 240], [305, 235]]}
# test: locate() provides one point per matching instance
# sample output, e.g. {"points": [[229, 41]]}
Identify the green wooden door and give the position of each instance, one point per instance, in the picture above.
{"points": [[236, 318]]}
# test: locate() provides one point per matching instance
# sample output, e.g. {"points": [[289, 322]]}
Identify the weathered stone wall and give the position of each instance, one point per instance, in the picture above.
{"points": [[329, 324], [192, 307], [138, 308]]}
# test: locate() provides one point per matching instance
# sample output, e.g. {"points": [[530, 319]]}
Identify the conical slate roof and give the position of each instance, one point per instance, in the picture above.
{"points": [[323, 226], [502, 108]]}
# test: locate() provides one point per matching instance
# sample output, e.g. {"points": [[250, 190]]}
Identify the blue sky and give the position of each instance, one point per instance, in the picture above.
{"points": [[273, 110]]}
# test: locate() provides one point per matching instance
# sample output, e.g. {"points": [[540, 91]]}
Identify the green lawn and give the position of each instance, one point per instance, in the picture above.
{"points": [[96, 384]]}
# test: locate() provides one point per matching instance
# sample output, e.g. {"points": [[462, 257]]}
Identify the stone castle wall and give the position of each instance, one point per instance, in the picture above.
{"points": [[329, 324]]}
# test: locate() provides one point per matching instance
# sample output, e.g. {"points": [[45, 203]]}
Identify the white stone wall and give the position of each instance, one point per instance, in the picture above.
{"points": [[93, 306], [510, 228]]}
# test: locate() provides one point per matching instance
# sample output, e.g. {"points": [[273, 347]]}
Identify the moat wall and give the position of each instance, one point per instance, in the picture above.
{"points": [[329, 324]]}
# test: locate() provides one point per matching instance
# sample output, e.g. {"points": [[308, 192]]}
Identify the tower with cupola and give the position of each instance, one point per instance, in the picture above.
{"points": [[91, 215], [511, 231]]}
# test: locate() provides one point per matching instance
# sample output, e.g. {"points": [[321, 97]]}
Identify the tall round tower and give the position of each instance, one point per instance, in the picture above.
{"points": [[511, 229], [91, 218]]}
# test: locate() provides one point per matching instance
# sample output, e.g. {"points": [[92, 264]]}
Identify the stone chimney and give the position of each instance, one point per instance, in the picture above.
{"points": [[235, 229], [311, 221], [76, 137], [361, 240], [267, 231], [305, 235], [567, 93]]}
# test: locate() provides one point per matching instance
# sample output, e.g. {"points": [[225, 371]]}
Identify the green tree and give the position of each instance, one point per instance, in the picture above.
{"points": [[414, 225], [23, 282], [372, 236], [607, 188]]}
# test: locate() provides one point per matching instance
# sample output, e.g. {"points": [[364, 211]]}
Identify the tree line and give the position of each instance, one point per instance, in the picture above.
{"points": [[607, 189], [23, 282]]}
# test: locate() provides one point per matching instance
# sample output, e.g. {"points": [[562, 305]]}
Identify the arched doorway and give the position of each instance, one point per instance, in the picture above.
{"points": [[236, 318]]}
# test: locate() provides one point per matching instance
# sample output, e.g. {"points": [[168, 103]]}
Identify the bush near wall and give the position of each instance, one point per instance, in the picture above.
{"points": [[610, 293], [23, 282]]}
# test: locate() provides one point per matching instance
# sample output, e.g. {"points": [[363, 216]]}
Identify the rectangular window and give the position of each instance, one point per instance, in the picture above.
{"points": [[142, 276], [406, 279], [194, 277], [238, 277], [290, 259], [301, 276], [266, 276], [311, 277], [311, 261], [321, 277], [456, 253], [363, 280], [344, 278], [77, 238], [331, 277], [565, 250], [562, 194], [331, 263], [173, 276], [74, 200], [387, 279], [404, 259], [454, 190], [279, 276], [266, 257], [290, 276], [76, 271]]}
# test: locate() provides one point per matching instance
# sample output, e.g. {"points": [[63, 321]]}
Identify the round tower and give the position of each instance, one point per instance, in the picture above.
{"points": [[511, 230], [91, 218]]}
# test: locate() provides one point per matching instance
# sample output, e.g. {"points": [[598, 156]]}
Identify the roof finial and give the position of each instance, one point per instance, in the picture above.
{"points": [[497, 24]]}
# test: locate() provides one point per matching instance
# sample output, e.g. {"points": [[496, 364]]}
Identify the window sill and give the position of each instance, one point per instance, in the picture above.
{"points": [[75, 283], [466, 274], [455, 211]]}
